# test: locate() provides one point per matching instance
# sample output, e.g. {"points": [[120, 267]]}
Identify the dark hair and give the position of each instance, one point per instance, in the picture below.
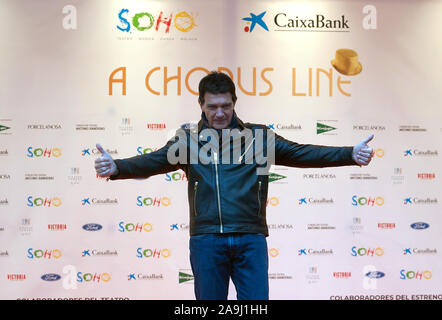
{"points": [[216, 82]]}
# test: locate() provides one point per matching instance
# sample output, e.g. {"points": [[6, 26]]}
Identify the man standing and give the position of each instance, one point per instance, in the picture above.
{"points": [[228, 187]]}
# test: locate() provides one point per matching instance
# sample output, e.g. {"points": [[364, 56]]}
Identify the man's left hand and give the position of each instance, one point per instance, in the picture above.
{"points": [[362, 153]]}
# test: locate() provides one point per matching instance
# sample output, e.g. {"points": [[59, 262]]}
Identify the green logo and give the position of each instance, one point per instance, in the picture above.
{"points": [[321, 128], [184, 277], [3, 128], [275, 177]]}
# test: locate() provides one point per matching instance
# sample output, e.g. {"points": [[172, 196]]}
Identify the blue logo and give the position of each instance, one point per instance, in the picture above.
{"points": [[302, 252], [303, 200], [407, 153], [255, 19], [50, 277], [375, 274], [131, 276], [420, 225], [92, 227]]}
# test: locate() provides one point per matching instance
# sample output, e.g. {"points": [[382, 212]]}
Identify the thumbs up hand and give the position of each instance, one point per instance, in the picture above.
{"points": [[105, 165], [362, 153]]}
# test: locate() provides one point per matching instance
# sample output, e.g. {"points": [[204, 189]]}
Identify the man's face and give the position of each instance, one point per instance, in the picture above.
{"points": [[218, 109]]}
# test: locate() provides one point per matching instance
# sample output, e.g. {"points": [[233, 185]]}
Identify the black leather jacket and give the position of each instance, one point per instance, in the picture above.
{"points": [[225, 198]]}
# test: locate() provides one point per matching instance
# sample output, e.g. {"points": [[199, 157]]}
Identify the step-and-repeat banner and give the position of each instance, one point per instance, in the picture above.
{"points": [[125, 74]]}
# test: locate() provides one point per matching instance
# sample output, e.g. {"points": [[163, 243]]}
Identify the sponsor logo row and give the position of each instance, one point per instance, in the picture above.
{"points": [[277, 178], [126, 126], [158, 253], [25, 228], [36, 201], [56, 152], [186, 276]]}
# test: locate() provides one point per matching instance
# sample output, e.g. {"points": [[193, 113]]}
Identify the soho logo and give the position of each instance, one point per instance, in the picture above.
{"points": [[95, 277], [143, 21], [46, 202], [45, 254], [129, 227], [39, 152], [408, 275], [362, 201], [142, 150], [176, 176], [155, 253], [359, 252], [164, 201]]}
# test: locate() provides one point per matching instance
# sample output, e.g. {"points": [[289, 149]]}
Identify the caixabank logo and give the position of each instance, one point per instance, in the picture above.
{"points": [[296, 22], [420, 201], [253, 20]]}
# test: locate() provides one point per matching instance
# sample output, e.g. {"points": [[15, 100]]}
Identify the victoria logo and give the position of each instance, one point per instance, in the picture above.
{"points": [[254, 20], [50, 277], [92, 227]]}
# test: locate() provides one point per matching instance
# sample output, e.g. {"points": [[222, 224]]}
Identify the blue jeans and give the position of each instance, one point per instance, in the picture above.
{"points": [[217, 257]]}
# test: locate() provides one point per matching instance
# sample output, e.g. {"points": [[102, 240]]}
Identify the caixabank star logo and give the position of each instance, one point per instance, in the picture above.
{"points": [[252, 20]]}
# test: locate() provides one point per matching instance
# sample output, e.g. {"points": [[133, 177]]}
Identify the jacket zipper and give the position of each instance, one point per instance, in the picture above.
{"points": [[195, 189], [259, 197], [247, 149], [215, 158]]}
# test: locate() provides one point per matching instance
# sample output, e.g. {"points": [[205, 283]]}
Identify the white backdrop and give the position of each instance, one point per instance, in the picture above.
{"points": [[339, 233]]}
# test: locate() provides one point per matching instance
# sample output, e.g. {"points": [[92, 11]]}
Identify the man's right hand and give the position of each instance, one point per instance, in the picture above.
{"points": [[104, 165]]}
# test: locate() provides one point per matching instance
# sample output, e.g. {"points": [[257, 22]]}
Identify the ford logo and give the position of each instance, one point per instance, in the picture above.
{"points": [[50, 277], [375, 274], [92, 227], [420, 225]]}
